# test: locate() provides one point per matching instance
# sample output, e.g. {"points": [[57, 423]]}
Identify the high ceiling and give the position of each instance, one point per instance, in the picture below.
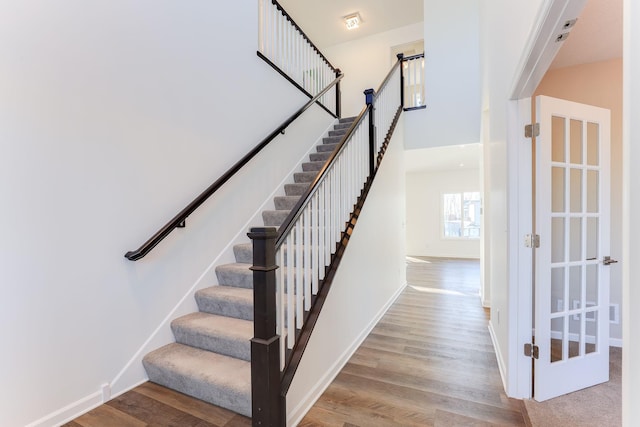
{"points": [[322, 20]]}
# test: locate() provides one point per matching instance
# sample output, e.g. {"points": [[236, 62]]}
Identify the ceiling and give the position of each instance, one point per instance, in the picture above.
{"points": [[323, 24], [597, 36]]}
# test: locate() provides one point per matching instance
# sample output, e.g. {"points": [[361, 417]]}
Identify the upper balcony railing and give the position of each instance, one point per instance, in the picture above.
{"points": [[284, 45], [413, 70]]}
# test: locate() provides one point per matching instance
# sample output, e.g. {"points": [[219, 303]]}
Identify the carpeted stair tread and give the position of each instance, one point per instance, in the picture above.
{"points": [[347, 120], [332, 140], [339, 132], [274, 218], [236, 274], [345, 125], [305, 176], [221, 334], [296, 189], [244, 251], [226, 301], [220, 380], [326, 147], [285, 202], [320, 157], [313, 166]]}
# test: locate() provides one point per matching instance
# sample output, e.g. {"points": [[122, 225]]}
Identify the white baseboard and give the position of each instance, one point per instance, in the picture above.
{"points": [[295, 416], [70, 411], [502, 367]]}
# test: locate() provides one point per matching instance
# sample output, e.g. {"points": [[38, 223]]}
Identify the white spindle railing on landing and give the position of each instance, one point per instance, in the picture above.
{"points": [[287, 47], [413, 68]]}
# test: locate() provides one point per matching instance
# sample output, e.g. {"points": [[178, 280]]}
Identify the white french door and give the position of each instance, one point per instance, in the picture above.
{"points": [[571, 265]]}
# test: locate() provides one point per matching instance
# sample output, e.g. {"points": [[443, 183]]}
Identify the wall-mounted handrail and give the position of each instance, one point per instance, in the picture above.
{"points": [[180, 218]]}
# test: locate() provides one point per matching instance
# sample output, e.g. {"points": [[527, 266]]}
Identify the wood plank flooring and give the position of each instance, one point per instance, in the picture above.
{"points": [[429, 362]]}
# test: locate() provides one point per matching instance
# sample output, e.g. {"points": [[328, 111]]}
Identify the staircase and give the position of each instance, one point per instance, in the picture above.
{"points": [[211, 358]]}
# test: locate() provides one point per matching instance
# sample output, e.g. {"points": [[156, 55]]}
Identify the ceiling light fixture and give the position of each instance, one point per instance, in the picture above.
{"points": [[352, 21]]}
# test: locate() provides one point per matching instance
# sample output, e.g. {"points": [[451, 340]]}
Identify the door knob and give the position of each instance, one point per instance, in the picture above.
{"points": [[607, 260]]}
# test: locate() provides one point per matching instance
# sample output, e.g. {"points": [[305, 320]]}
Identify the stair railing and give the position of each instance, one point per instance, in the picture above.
{"points": [[413, 70], [294, 266], [179, 221], [284, 46]]}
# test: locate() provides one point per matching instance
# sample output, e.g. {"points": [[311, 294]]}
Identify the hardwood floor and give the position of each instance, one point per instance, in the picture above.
{"points": [[154, 405], [429, 362]]}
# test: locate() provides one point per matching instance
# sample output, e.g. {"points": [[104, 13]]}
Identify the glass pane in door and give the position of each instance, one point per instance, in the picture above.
{"points": [[557, 139]]}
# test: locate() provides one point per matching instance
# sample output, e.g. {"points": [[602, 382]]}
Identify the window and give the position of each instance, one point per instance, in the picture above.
{"points": [[461, 215]]}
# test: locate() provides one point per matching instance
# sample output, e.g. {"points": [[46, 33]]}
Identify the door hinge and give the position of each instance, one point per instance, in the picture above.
{"points": [[531, 350], [532, 241], [532, 130]]}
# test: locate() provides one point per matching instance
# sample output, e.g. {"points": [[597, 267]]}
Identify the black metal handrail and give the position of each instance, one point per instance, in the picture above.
{"points": [[290, 19], [180, 218], [297, 210]]}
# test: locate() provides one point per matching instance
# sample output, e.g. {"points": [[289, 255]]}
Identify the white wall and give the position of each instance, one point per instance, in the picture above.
{"points": [[631, 210], [366, 61], [424, 212], [371, 275], [452, 76], [505, 26], [113, 116]]}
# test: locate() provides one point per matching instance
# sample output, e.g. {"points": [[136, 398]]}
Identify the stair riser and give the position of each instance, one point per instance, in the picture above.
{"points": [[332, 140], [285, 203], [317, 157], [300, 177], [238, 349], [224, 307], [323, 148], [340, 132], [312, 166], [296, 189]]}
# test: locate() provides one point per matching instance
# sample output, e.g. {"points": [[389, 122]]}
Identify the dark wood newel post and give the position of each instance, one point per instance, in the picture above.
{"points": [[265, 348], [370, 99], [338, 95]]}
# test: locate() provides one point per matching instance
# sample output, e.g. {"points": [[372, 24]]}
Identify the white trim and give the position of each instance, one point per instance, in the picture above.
{"points": [[70, 411], [295, 416], [542, 47], [615, 342], [501, 365]]}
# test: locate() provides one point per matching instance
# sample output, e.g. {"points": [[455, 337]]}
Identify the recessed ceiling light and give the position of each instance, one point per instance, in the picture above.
{"points": [[352, 21]]}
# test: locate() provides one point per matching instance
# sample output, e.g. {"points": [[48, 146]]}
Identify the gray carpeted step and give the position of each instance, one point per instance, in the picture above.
{"points": [[221, 334], [226, 301], [220, 380], [244, 252], [285, 202], [345, 125], [304, 176], [339, 132], [332, 140], [325, 147], [296, 189], [238, 275], [347, 119], [313, 166], [274, 218], [320, 157]]}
